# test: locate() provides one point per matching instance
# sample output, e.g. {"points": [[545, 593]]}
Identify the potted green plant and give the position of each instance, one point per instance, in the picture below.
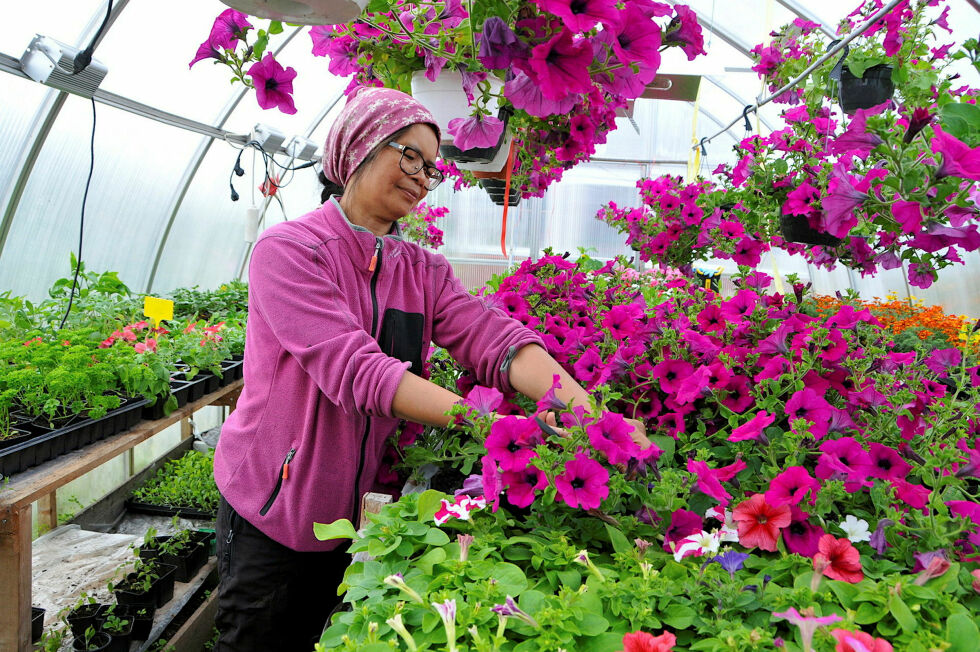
{"points": [[899, 53], [117, 625], [82, 615], [91, 641]]}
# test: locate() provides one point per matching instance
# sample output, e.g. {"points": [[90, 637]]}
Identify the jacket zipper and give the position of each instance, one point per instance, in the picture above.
{"points": [[374, 267], [283, 474]]}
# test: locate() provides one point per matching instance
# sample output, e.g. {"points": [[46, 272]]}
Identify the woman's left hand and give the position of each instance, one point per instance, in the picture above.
{"points": [[639, 433]]}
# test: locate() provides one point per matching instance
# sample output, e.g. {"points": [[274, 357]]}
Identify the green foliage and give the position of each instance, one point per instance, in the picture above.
{"points": [[185, 482]]}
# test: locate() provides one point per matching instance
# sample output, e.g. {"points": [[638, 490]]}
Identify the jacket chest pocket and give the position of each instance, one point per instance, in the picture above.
{"points": [[401, 337]]}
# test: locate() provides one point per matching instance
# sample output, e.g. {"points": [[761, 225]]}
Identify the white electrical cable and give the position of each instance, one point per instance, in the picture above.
{"points": [[806, 73]]}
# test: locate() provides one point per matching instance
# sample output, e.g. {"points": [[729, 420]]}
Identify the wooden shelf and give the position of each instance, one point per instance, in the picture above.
{"points": [[40, 483]]}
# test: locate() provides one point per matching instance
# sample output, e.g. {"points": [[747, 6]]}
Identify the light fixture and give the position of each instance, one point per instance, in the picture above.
{"points": [[268, 138], [300, 148], [304, 12], [51, 63]]}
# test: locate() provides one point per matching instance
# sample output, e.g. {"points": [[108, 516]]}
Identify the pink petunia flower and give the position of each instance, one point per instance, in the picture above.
{"points": [[584, 483], [848, 641], [684, 30], [483, 399], [682, 524], [791, 486], [521, 485], [800, 536], [752, 429], [582, 15], [808, 623], [807, 404], [228, 28], [959, 159], [610, 435]]}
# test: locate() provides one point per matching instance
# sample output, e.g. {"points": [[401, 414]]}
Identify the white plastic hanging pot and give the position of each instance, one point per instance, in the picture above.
{"points": [[446, 100], [304, 12]]}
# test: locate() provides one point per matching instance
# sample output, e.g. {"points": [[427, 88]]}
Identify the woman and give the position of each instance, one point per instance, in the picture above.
{"points": [[341, 314]]}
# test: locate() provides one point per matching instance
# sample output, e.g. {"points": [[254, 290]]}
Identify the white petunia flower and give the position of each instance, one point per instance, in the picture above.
{"points": [[856, 529]]}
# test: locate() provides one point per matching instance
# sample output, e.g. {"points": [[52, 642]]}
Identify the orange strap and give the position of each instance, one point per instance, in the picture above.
{"points": [[507, 174]]}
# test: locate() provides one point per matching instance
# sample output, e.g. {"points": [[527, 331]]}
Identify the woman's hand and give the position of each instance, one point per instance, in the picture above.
{"points": [[639, 433]]}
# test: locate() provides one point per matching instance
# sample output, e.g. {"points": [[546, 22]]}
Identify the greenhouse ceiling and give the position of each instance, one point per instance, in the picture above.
{"points": [[159, 209]]}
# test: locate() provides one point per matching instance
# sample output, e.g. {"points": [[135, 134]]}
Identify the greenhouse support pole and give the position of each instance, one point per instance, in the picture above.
{"points": [[15, 577]]}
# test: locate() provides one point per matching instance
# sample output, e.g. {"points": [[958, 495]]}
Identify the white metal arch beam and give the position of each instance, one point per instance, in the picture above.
{"points": [[741, 100], [42, 123], [195, 164]]}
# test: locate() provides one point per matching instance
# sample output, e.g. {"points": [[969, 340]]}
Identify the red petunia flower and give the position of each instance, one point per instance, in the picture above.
{"points": [[839, 558], [644, 642], [759, 522]]}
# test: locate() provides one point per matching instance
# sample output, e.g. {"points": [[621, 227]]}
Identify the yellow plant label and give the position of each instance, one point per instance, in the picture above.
{"points": [[158, 309]]}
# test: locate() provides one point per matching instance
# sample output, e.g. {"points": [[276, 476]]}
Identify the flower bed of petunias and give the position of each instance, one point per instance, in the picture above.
{"points": [[808, 487]]}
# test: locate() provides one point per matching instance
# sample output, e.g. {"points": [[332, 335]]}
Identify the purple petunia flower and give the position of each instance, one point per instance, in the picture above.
{"points": [[683, 523], [731, 561], [582, 15], [499, 45], [685, 31], [475, 131], [959, 159], [561, 66], [509, 609], [205, 51], [800, 536], [525, 94]]}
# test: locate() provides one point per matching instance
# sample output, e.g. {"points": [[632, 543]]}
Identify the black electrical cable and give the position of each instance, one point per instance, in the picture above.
{"points": [[84, 58], [266, 159], [81, 226]]}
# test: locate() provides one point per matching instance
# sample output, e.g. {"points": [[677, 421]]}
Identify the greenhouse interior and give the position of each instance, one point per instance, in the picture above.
{"points": [[592, 325]]}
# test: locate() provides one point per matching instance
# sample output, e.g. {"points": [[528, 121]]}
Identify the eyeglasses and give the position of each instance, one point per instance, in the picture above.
{"points": [[412, 161]]}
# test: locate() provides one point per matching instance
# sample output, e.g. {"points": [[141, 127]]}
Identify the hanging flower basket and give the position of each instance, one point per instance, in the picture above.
{"points": [[864, 92], [795, 228], [304, 12], [496, 189], [447, 101]]}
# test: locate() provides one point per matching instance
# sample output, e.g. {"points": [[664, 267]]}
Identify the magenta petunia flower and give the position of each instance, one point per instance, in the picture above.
{"points": [[483, 399], [205, 51], [748, 251], [511, 442], [966, 509], [709, 480], [637, 39], [843, 457], [475, 131], [670, 373], [622, 320], [845, 194], [684, 30], [921, 275], [582, 15], [499, 45], [610, 435], [856, 140], [800, 536], [908, 214], [584, 483], [492, 483], [525, 94], [942, 361], [589, 369], [807, 404], [273, 84], [752, 429], [959, 159], [738, 397], [229, 28], [561, 66], [683, 523], [694, 386], [521, 485], [801, 200], [791, 486], [710, 318]]}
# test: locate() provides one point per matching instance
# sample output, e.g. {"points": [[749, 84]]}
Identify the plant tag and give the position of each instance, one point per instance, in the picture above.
{"points": [[158, 309]]}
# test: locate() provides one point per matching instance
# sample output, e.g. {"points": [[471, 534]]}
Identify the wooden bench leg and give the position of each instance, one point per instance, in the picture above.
{"points": [[15, 579], [47, 511]]}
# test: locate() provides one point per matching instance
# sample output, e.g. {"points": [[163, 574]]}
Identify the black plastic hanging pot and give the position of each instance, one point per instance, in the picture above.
{"points": [[875, 87], [795, 228], [496, 188]]}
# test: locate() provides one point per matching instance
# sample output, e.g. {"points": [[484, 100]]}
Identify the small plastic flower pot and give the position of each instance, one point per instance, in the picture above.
{"points": [[83, 617], [864, 92], [495, 188], [98, 643], [164, 585], [37, 623]]}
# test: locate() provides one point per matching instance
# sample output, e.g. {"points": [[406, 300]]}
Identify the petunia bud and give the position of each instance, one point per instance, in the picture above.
{"points": [[937, 566], [976, 580], [920, 118]]}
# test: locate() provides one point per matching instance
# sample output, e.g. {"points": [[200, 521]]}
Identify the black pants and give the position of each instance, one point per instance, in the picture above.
{"points": [[271, 597]]}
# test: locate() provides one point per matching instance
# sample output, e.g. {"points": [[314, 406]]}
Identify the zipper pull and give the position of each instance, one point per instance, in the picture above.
{"points": [[285, 465], [374, 258]]}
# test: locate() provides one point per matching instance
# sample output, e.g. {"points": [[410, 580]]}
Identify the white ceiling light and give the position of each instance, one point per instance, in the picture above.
{"points": [[304, 12]]}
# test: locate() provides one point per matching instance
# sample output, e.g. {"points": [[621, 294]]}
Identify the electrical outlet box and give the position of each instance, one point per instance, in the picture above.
{"points": [[301, 148], [269, 139], [50, 62]]}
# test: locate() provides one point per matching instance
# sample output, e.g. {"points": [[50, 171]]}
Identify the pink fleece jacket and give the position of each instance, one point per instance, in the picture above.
{"points": [[329, 336]]}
